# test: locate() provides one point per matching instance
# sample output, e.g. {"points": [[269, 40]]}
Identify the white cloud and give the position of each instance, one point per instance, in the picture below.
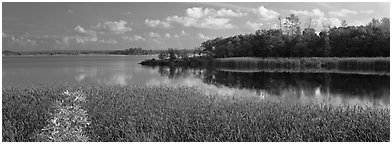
{"points": [[176, 36], [183, 33], [18, 41], [167, 35], [80, 29], [342, 13], [274, 26], [253, 25], [109, 41], [133, 38], [215, 23], [156, 23], [208, 22], [208, 18], [154, 35], [201, 36], [196, 12], [118, 27], [127, 13], [313, 13], [186, 21], [358, 23], [329, 21], [70, 11], [85, 35], [266, 14], [228, 12], [199, 12], [367, 11]]}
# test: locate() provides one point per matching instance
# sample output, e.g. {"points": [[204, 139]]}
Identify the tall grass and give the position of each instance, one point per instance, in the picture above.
{"points": [[377, 65], [143, 113]]}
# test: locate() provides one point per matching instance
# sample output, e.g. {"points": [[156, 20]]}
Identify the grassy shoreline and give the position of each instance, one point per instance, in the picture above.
{"points": [[143, 113]]}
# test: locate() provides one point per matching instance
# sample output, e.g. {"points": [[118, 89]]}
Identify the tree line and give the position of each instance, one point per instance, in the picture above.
{"points": [[289, 40]]}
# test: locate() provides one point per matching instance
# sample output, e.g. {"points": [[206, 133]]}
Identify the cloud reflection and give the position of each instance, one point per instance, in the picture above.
{"points": [[107, 77], [223, 92]]}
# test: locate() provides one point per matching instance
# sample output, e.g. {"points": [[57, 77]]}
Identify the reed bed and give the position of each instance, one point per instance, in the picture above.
{"points": [[361, 64], [183, 114]]}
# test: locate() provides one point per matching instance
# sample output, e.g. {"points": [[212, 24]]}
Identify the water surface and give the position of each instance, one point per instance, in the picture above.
{"points": [[331, 88]]}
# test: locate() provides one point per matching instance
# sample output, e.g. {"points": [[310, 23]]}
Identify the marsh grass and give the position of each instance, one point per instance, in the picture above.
{"points": [[144, 113], [68, 120], [329, 64]]}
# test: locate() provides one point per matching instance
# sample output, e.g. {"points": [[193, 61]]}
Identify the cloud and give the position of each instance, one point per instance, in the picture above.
{"points": [[109, 41], [329, 21], [201, 36], [156, 23], [215, 23], [176, 36], [133, 38], [185, 21], [252, 25], [342, 13], [208, 22], [266, 14], [313, 13], [367, 11], [199, 12], [18, 41], [359, 23], [154, 35], [84, 35], [183, 33], [208, 18], [118, 27], [196, 12], [228, 12], [167, 35], [127, 13], [70, 11]]}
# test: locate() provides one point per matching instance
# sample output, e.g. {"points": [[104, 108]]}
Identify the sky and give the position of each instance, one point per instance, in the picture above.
{"points": [[161, 25]]}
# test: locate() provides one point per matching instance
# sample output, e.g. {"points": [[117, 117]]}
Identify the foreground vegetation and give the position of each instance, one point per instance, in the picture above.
{"points": [[144, 113]]}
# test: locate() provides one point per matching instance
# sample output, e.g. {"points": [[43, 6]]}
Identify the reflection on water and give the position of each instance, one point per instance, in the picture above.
{"points": [[350, 89], [108, 70], [332, 88]]}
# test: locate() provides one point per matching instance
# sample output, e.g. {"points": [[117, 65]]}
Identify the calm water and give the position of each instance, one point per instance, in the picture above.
{"points": [[352, 89]]}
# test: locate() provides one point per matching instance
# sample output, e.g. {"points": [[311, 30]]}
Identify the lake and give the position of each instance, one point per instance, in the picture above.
{"points": [[332, 88]]}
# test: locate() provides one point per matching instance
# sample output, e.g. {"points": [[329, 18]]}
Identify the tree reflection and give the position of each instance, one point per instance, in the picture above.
{"points": [[293, 85]]}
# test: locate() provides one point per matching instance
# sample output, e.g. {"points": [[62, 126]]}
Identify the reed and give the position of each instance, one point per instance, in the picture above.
{"points": [[182, 114]]}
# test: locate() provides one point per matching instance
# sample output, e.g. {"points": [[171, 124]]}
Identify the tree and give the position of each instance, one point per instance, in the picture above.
{"points": [[344, 23], [172, 54], [163, 55], [344, 41], [309, 23], [292, 25]]}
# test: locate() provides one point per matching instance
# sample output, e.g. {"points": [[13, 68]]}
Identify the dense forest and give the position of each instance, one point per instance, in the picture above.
{"points": [[290, 40]]}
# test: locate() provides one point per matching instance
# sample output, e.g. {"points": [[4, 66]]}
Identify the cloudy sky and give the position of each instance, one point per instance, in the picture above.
{"points": [[112, 26]]}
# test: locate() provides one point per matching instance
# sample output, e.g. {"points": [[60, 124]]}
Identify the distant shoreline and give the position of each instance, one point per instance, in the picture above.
{"points": [[77, 55]]}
